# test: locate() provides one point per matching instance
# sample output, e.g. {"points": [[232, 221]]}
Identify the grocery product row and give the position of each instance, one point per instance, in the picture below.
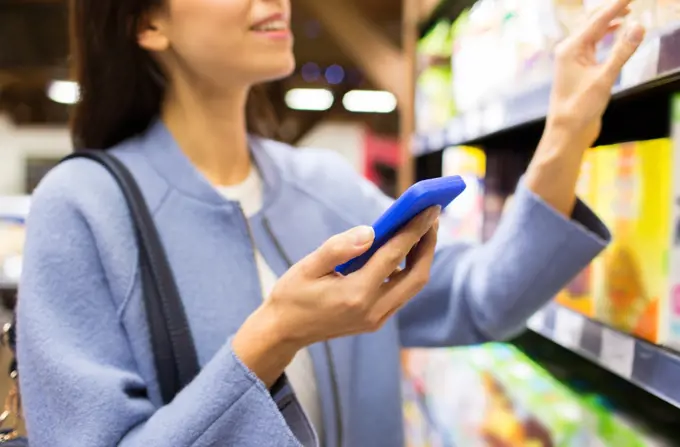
{"points": [[517, 40], [495, 395], [489, 70]]}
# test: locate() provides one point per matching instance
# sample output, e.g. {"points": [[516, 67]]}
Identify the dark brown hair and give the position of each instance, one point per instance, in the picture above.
{"points": [[121, 85]]}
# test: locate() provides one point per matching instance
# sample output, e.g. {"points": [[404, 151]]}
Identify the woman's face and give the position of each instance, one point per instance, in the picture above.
{"points": [[225, 42]]}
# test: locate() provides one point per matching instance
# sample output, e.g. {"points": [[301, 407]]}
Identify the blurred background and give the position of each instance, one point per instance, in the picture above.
{"points": [[413, 89], [334, 98]]}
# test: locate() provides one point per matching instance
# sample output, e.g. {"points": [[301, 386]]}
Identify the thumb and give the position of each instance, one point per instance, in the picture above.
{"points": [[624, 48], [337, 250]]}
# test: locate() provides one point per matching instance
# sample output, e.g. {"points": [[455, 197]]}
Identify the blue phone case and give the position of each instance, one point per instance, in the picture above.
{"points": [[419, 197]]}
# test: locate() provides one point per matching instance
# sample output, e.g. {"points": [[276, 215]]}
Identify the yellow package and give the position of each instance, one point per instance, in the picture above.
{"points": [[630, 279]]}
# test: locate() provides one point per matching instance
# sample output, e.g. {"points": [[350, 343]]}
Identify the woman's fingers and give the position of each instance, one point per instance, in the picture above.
{"points": [[423, 252], [626, 45], [417, 272], [387, 259], [614, 26], [599, 23], [405, 284], [337, 250]]}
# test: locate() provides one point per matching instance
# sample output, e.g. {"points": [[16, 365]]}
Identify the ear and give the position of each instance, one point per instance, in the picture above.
{"points": [[151, 33]]}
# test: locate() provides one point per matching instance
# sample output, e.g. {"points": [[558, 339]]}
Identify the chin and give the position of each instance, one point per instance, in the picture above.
{"points": [[278, 69]]}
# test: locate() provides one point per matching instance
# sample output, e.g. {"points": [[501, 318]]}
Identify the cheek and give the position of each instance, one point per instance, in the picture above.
{"points": [[212, 38], [209, 31]]}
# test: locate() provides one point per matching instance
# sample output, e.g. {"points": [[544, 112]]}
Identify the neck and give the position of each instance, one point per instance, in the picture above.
{"points": [[210, 129]]}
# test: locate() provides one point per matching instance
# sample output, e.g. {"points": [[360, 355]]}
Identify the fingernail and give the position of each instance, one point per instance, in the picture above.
{"points": [[635, 33], [361, 235]]}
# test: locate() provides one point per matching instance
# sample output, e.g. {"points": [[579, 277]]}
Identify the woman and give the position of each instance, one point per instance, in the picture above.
{"points": [[164, 89]]}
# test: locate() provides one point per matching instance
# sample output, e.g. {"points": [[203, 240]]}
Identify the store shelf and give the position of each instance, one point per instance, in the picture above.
{"points": [[639, 107], [650, 367]]}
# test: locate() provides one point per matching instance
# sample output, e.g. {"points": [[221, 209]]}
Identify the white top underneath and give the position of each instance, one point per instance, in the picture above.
{"points": [[300, 372]]}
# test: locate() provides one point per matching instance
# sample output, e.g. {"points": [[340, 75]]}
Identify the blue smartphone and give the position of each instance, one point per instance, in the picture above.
{"points": [[419, 197]]}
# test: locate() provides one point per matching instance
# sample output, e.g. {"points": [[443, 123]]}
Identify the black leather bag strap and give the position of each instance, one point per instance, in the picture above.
{"points": [[173, 346]]}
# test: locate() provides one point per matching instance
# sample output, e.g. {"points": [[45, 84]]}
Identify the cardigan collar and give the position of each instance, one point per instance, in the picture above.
{"points": [[165, 155]]}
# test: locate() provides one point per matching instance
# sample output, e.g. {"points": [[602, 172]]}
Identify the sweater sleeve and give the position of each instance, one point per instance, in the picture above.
{"points": [[79, 381], [487, 292]]}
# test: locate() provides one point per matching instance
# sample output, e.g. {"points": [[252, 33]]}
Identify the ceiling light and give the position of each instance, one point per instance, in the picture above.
{"points": [[309, 99], [369, 101], [63, 92]]}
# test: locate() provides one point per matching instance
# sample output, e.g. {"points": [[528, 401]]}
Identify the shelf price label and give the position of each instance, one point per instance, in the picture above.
{"points": [[618, 352], [568, 328], [537, 322]]}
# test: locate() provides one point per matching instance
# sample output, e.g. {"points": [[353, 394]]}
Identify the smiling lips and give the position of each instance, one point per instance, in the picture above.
{"points": [[271, 25], [276, 26]]}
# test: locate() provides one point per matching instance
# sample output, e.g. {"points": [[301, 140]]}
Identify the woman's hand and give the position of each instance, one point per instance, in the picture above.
{"points": [[582, 86], [580, 93], [313, 303]]}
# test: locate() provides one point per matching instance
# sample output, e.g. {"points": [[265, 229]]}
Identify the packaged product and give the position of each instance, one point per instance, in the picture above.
{"points": [[476, 52], [670, 309], [465, 216], [434, 102], [537, 33], [630, 278], [633, 285], [667, 13]]}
